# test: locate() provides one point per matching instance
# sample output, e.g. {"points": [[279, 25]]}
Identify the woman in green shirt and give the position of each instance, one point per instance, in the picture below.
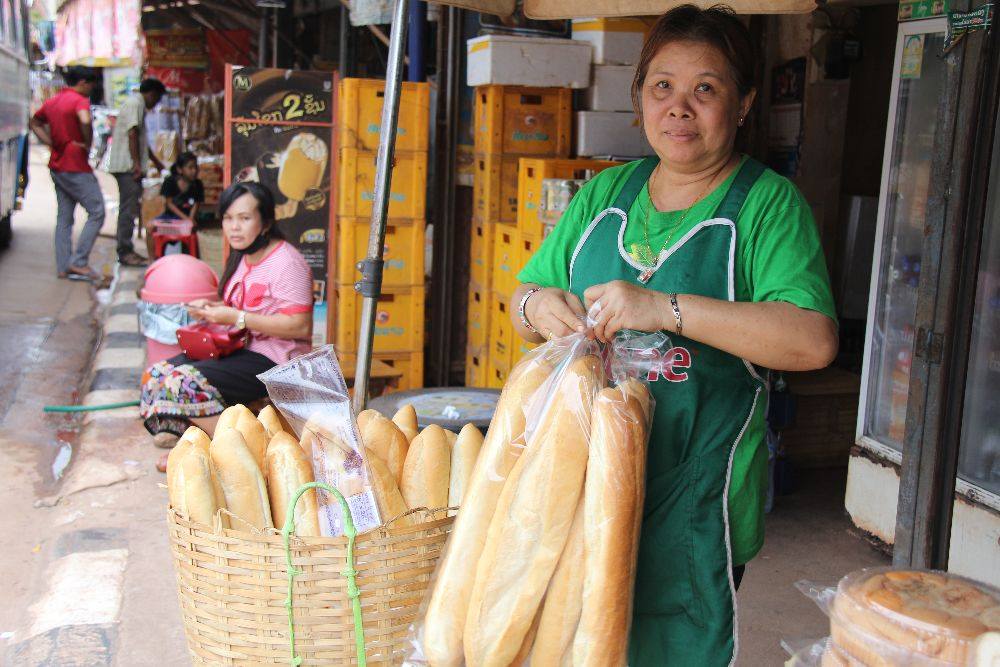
{"points": [[722, 254]]}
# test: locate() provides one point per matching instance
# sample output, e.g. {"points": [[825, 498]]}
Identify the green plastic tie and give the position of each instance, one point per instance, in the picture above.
{"points": [[353, 592]]}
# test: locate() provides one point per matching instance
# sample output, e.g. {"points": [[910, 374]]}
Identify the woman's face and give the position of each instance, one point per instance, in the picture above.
{"points": [[241, 223], [691, 106], [190, 170]]}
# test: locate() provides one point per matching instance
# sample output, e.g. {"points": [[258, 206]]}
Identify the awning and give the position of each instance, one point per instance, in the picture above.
{"points": [[99, 33], [568, 9]]}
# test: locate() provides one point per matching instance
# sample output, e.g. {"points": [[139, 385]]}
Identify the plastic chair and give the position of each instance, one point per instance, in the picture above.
{"points": [[171, 231]]}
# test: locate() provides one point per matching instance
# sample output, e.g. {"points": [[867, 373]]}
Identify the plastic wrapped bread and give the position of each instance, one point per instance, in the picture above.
{"points": [[533, 518], [613, 501], [311, 393], [444, 621], [879, 612]]}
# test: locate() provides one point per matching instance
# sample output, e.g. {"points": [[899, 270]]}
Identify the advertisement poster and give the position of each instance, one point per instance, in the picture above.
{"points": [[176, 48], [280, 133]]}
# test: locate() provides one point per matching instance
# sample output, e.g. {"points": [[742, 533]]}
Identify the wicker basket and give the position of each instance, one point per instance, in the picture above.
{"points": [[233, 586]]}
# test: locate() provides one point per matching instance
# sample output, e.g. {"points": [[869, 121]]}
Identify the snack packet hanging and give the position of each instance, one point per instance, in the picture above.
{"points": [[311, 393], [512, 583]]}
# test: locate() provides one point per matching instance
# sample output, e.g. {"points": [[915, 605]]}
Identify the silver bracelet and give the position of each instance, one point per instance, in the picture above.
{"points": [[520, 310], [677, 313]]}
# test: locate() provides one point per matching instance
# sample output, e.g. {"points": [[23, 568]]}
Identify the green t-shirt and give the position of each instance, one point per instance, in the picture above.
{"points": [[778, 258]]}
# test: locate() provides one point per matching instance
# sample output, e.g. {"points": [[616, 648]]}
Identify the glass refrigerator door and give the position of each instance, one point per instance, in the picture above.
{"points": [[917, 83]]}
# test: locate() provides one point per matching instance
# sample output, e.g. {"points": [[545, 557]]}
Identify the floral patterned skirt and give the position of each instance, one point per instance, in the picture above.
{"points": [[175, 390]]}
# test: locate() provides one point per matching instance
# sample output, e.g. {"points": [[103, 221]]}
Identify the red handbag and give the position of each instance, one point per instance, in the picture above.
{"points": [[203, 340]]}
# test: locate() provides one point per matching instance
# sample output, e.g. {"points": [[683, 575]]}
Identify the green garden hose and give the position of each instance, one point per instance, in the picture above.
{"points": [[89, 408]]}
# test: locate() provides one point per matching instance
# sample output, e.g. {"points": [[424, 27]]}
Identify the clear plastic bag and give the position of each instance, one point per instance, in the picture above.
{"points": [[882, 617], [540, 562], [311, 393]]}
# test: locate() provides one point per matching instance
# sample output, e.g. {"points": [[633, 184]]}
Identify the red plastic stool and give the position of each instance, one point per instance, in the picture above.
{"points": [[171, 231]]}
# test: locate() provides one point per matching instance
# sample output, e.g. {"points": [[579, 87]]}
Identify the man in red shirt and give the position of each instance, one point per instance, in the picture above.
{"points": [[63, 124]]}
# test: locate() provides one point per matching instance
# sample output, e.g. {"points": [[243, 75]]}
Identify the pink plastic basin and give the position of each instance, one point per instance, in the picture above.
{"points": [[179, 279]]}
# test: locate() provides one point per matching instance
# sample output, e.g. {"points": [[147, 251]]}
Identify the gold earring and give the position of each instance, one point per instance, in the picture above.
{"points": [[739, 122]]}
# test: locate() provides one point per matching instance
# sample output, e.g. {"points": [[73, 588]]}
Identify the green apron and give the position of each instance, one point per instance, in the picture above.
{"points": [[685, 610]]}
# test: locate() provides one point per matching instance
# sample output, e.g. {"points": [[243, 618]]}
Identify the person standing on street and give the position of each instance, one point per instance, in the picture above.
{"points": [[63, 124], [127, 163]]}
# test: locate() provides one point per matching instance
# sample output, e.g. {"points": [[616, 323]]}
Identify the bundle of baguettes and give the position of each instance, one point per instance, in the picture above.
{"points": [[541, 559], [254, 466]]}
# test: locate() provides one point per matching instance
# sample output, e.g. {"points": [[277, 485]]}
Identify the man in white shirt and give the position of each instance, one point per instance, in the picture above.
{"points": [[127, 163]]}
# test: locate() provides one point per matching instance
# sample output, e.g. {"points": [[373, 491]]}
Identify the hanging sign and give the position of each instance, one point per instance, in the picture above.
{"points": [[913, 57], [914, 10], [962, 23]]}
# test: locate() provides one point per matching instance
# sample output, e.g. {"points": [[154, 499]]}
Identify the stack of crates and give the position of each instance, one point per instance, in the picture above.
{"points": [[399, 317], [511, 122]]}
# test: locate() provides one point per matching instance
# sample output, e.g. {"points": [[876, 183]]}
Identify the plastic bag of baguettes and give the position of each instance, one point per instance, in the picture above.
{"points": [[541, 559], [884, 617]]}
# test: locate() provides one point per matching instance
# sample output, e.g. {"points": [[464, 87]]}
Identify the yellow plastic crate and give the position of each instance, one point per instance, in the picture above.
{"points": [[515, 120], [407, 189], [403, 251], [399, 319], [481, 253], [501, 332], [496, 374], [359, 110], [478, 317], [506, 259], [410, 363], [527, 246], [530, 174], [494, 188], [475, 367]]}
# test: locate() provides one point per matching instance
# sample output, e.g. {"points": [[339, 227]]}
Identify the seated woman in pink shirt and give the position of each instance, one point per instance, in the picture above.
{"points": [[266, 289]]}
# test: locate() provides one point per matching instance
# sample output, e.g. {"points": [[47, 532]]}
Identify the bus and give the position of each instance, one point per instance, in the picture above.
{"points": [[15, 96]]}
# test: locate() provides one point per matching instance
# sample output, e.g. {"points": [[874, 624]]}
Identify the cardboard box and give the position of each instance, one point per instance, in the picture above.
{"points": [[616, 133], [616, 41], [610, 88], [528, 61]]}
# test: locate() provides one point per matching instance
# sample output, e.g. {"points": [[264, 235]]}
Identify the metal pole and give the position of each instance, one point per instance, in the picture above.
{"points": [[371, 269], [418, 35], [262, 38]]}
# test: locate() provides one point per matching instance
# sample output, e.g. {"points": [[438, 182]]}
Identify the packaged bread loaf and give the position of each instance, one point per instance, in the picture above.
{"points": [[613, 500], [427, 469], [287, 468], [241, 479], [532, 520], [924, 613], [560, 614], [311, 394], [444, 620], [192, 484]]}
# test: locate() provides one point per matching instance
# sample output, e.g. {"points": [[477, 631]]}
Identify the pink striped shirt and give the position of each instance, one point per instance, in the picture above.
{"points": [[280, 284]]}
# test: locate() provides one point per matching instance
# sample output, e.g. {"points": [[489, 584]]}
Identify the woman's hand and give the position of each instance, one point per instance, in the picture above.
{"points": [[626, 306], [554, 312], [215, 314], [201, 303]]}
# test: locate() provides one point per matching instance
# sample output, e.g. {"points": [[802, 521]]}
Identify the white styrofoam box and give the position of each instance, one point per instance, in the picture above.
{"points": [[610, 88], [616, 41], [617, 133], [528, 61]]}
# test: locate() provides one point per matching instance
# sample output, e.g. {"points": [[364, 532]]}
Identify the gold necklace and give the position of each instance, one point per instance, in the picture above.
{"points": [[652, 259]]}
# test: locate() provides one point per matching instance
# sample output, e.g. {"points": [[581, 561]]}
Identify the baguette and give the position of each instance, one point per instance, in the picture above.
{"points": [[287, 470], [426, 470], [560, 613], [274, 422], [613, 495], [444, 622], [254, 435], [364, 417], [406, 419], [532, 521], [390, 500], [464, 453], [192, 485], [240, 478], [231, 415], [383, 437]]}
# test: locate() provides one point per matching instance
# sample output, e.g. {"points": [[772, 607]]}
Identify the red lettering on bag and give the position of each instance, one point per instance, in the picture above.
{"points": [[668, 364]]}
